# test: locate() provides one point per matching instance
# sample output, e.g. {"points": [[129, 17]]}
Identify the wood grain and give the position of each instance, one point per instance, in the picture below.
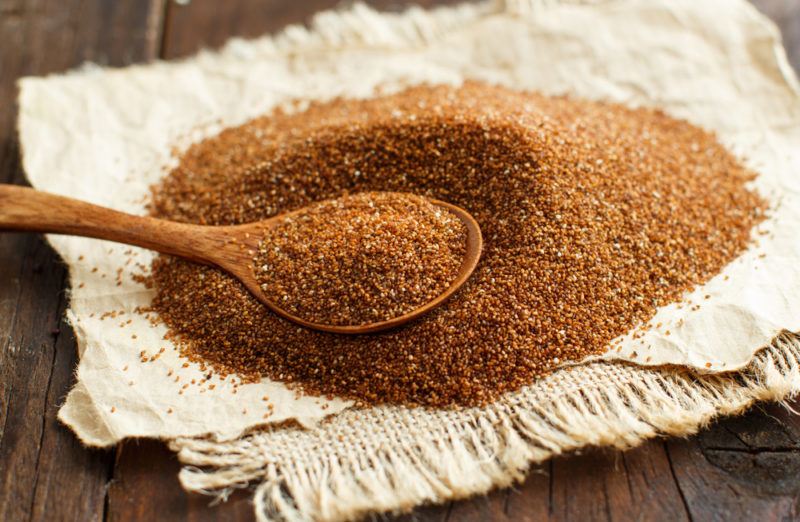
{"points": [[200, 24], [44, 473], [71, 481], [740, 469], [745, 468], [23, 209], [230, 248], [145, 488]]}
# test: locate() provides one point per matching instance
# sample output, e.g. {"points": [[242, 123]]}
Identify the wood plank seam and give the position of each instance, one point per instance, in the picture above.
{"points": [[9, 168], [61, 308], [550, 489], [166, 18], [16, 330], [57, 36], [677, 482]]}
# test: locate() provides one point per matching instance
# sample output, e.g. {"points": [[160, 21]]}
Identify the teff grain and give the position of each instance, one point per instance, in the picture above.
{"points": [[593, 215], [361, 258]]}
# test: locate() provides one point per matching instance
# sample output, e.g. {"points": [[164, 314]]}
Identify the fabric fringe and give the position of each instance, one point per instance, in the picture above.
{"points": [[394, 458], [391, 459]]}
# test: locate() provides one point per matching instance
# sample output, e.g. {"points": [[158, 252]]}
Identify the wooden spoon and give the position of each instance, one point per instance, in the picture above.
{"points": [[230, 248]]}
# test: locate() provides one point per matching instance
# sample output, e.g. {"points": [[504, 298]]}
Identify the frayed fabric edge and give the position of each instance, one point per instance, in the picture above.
{"points": [[391, 459]]}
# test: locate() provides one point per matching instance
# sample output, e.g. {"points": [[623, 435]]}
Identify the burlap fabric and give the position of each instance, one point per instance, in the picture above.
{"points": [[390, 459], [89, 133]]}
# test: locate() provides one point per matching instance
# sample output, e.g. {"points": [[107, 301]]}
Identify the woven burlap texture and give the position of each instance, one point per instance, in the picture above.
{"points": [[393, 458]]}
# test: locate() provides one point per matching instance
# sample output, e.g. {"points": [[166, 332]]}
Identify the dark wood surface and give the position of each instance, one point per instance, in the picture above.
{"points": [[745, 468]]}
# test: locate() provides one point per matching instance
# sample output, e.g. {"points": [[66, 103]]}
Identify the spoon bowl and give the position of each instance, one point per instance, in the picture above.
{"points": [[231, 248]]}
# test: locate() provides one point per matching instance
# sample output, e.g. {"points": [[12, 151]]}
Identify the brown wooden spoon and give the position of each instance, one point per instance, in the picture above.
{"points": [[230, 248]]}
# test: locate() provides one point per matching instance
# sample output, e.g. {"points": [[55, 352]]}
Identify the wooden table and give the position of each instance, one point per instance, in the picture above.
{"points": [[745, 468]]}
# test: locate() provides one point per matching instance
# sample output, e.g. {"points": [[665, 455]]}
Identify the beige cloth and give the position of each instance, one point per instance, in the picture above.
{"points": [[396, 458], [104, 135]]}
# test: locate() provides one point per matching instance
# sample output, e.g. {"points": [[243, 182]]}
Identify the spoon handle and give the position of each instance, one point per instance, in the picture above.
{"points": [[29, 210]]}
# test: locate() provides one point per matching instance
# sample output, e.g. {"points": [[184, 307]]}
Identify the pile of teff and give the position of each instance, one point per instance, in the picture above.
{"points": [[593, 215], [361, 259]]}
